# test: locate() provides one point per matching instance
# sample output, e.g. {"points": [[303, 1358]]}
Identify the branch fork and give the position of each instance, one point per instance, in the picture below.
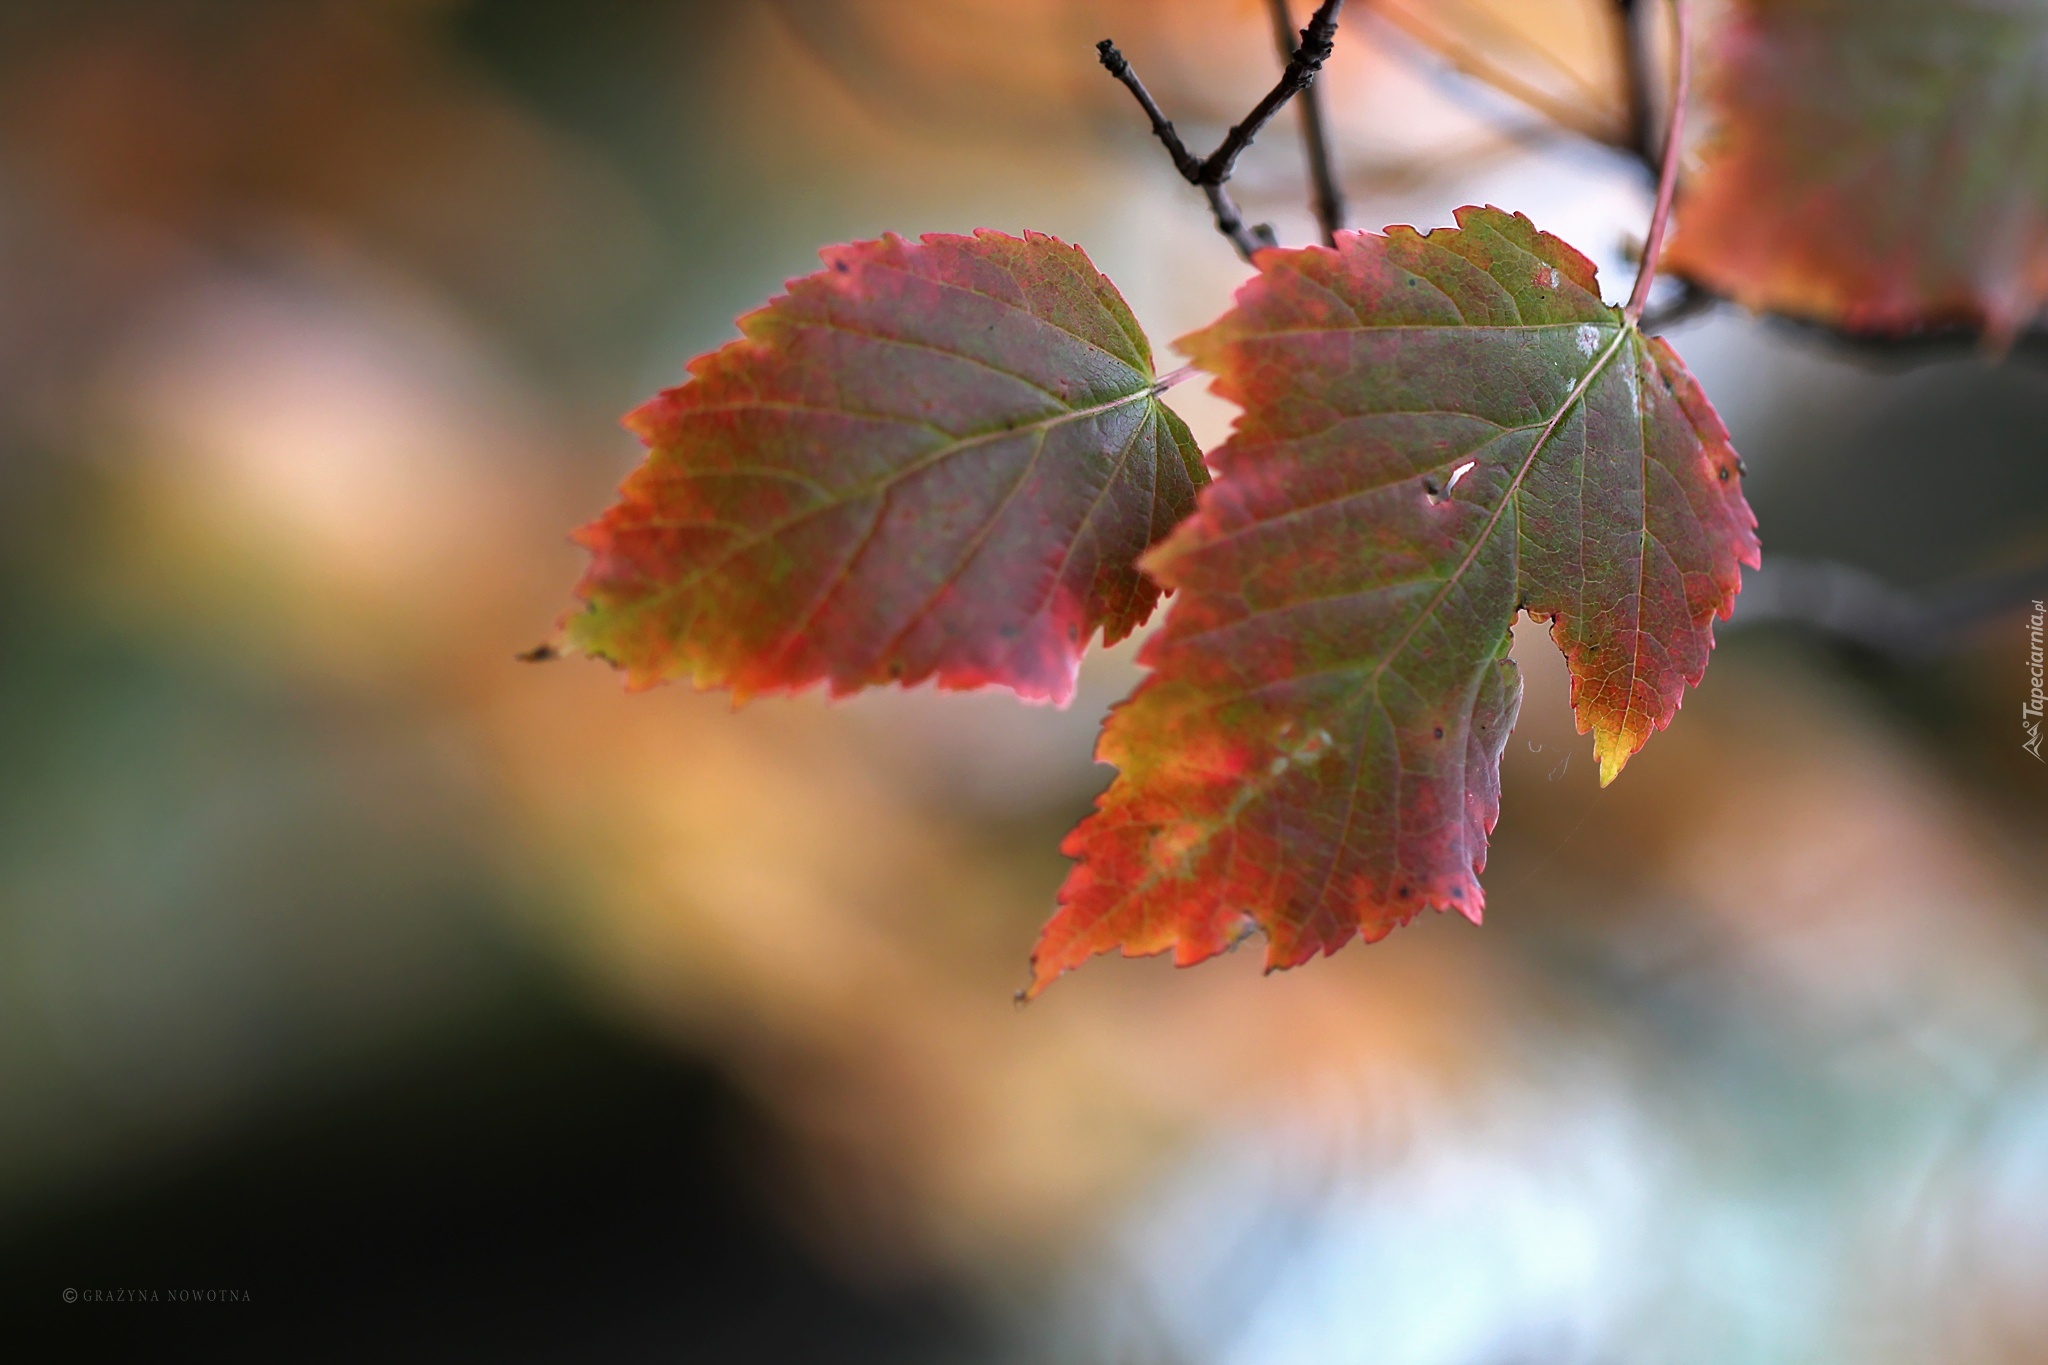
{"points": [[1667, 173], [1211, 173]]}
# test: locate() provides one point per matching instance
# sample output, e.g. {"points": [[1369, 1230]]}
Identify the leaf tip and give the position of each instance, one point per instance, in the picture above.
{"points": [[1613, 752], [1043, 974]]}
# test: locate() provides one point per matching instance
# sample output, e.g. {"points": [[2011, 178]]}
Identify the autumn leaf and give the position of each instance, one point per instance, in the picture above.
{"points": [[935, 459], [1439, 431], [1881, 165]]}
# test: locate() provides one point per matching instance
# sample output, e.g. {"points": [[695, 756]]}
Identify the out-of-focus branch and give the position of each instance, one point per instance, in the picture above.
{"points": [[1926, 346], [1635, 74], [1667, 174], [1327, 202], [1690, 302], [1212, 172], [1858, 609], [1478, 64]]}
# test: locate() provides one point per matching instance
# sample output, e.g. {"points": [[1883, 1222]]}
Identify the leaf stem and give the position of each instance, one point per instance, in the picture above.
{"points": [[1667, 178], [1328, 202], [1209, 173]]}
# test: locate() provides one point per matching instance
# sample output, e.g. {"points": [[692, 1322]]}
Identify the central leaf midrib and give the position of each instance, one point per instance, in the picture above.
{"points": [[1370, 684], [1507, 498], [882, 483]]}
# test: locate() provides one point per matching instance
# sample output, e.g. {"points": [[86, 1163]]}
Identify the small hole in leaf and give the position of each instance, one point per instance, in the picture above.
{"points": [[1724, 474], [1439, 732]]}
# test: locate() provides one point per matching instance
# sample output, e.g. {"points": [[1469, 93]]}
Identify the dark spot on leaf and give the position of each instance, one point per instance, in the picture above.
{"points": [[1403, 893], [1439, 732], [539, 654], [1724, 473]]}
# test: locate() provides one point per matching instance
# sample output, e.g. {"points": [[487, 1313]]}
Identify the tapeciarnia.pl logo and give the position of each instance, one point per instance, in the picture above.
{"points": [[2030, 712]]}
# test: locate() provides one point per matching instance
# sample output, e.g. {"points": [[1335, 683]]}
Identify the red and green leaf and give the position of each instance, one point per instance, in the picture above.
{"points": [[1439, 431], [1881, 165], [935, 459]]}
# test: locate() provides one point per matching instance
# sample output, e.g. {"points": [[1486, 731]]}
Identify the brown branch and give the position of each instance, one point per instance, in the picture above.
{"points": [[1328, 203], [1184, 161], [1229, 221], [1317, 40], [1210, 173]]}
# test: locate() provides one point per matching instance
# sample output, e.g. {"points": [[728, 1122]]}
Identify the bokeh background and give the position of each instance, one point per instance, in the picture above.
{"points": [[457, 1008]]}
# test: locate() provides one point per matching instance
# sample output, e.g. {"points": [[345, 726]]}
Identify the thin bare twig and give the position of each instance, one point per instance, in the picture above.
{"points": [[1317, 41], [1667, 179], [1328, 203], [1184, 161], [1210, 173], [1229, 221]]}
